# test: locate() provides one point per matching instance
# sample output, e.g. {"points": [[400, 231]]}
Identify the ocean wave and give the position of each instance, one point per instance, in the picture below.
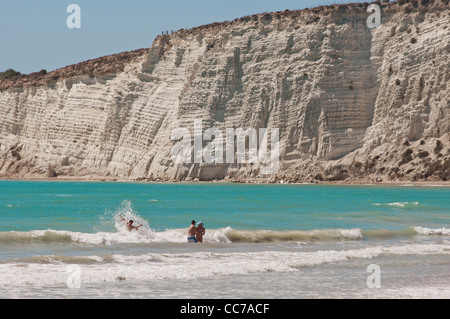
{"points": [[148, 236], [35, 236], [263, 236], [222, 235], [57, 259], [54, 270], [398, 204], [389, 234], [99, 238], [432, 232]]}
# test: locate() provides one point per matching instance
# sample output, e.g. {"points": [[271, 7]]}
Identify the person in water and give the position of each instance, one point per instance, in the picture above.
{"points": [[200, 232], [130, 226], [192, 232]]}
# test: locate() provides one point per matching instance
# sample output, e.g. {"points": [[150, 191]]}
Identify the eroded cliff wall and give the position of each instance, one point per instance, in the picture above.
{"points": [[351, 103]]}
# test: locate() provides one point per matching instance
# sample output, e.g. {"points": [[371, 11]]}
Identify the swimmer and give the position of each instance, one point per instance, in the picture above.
{"points": [[200, 232], [192, 232], [130, 226]]}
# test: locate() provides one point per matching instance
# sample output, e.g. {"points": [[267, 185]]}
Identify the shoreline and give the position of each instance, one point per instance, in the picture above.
{"points": [[242, 182]]}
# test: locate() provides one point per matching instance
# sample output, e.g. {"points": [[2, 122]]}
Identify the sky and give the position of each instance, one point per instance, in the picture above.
{"points": [[34, 34]]}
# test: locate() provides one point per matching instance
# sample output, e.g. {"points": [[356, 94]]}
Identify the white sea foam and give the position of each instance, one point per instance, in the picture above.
{"points": [[432, 232], [398, 204], [166, 266]]}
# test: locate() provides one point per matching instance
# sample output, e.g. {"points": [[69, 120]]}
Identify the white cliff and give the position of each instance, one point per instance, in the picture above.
{"points": [[349, 102]]}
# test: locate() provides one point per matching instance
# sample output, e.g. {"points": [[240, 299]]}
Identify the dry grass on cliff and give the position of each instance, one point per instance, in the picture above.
{"points": [[311, 15], [107, 65]]}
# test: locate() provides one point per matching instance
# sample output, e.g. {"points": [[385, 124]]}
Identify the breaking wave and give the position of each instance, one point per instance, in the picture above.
{"points": [[223, 235]]}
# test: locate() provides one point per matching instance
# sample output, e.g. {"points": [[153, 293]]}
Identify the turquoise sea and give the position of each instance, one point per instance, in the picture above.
{"points": [[66, 240]]}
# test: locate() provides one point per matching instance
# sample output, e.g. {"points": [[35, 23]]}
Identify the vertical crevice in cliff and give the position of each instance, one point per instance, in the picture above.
{"points": [[156, 52], [117, 119]]}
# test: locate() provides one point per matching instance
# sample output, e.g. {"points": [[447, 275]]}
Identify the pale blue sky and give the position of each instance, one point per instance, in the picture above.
{"points": [[34, 34]]}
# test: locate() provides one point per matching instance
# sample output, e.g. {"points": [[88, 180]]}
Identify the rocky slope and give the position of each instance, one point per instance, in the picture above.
{"points": [[351, 103]]}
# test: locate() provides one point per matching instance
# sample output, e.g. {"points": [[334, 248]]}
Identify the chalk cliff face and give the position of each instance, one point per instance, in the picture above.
{"points": [[350, 102]]}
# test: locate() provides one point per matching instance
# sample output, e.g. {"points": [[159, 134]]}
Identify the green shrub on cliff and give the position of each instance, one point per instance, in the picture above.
{"points": [[8, 73]]}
